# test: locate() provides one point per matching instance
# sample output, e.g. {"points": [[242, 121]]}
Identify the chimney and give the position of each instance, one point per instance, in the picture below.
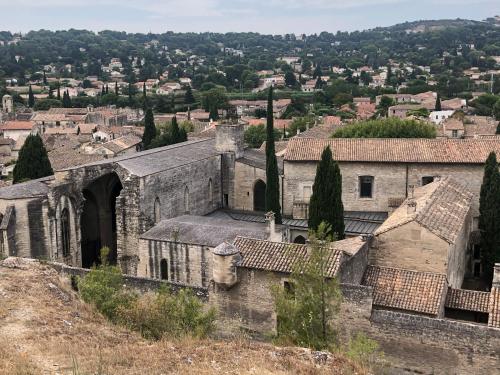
{"points": [[411, 206], [274, 236], [230, 138], [496, 276]]}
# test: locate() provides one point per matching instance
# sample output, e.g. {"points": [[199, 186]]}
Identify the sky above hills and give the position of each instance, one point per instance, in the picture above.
{"points": [[264, 16]]}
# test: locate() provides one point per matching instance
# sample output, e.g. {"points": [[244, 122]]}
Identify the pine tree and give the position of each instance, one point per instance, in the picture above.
{"points": [[272, 185], [438, 103], [326, 201], [149, 129], [489, 216], [189, 97], [31, 98], [33, 161]]}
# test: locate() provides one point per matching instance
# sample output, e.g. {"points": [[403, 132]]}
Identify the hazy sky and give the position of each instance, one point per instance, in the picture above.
{"points": [[264, 16]]}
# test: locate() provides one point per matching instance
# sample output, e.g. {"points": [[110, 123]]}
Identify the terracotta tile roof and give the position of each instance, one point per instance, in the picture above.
{"points": [[441, 207], [50, 117], [469, 300], [420, 292], [332, 120], [123, 143], [17, 125], [279, 256], [453, 124], [494, 312], [321, 131], [395, 150]]}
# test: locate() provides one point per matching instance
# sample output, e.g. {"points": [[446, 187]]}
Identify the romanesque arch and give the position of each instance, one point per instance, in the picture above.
{"points": [[259, 196], [299, 240], [98, 219]]}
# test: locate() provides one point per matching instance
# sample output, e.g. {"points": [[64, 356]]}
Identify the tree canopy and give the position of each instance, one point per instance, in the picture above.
{"points": [[387, 128], [33, 161]]}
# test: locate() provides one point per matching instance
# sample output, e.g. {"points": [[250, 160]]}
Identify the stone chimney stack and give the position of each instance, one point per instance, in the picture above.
{"points": [[230, 138], [274, 236], [411, 206], [496, 276]]}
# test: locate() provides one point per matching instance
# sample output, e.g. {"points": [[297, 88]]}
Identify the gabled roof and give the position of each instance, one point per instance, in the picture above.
{"points": [[441, 207], [468, 300], [394, 288], [282, 257], [17, 125], [394, 150]]}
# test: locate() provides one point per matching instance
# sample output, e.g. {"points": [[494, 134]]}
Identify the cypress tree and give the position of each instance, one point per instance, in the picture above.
{"points": [[58, 92], [272, 185], [44, 78], [489, 216], [31, 98], [107, 89], [129, 94], [175, 134], [438, 103], [189, 97], [214, 112], [33, 161], [326, 200], [116, 88], [149, 129], [66, 100], [103, 90]]}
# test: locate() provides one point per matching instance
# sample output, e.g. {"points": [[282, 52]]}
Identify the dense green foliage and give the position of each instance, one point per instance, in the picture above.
{"points": [[149, 129], [272, 174], [305, 310], [169, 134], [326, 204], [33, 161], [387, 128], [256, 135], [154, 315], [489, 216]]}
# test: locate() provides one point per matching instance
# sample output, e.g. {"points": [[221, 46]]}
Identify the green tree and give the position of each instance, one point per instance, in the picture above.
{"points": [[149, 129], [388, 78], [33, 161], [391, 127], [438, 103], [290, 79], [256, 135], [317, 72], [116, 89], [306, 309], [326, 200], [384, 104], [188, 96], [489, 216], [31, 98], [66, 102], [58, 92], [272, 176], [496, 110]]}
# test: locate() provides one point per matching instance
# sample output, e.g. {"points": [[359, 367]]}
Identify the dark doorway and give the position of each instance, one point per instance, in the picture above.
{"points": [[300, 240], [164, 269], [259, 196], [98, 220]]}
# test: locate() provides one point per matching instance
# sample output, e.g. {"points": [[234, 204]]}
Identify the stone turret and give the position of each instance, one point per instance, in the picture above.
{"points": [[225, 260], [8, 104], [230, 138]]}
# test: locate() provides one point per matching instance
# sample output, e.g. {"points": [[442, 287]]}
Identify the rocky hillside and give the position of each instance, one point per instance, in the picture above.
{"points": [[46, 329]]}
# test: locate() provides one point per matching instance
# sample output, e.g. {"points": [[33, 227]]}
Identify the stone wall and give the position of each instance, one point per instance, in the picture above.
{"points": [[245, 178], [187, 264], [353, 268], [391, 180]]}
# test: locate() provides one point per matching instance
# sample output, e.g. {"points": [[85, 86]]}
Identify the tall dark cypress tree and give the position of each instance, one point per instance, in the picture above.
{"points": [[272, 176], [58, 92], [116, 88], [175, 134], [189, 97], [31, 98], [33, 161], [326, 200], [489, 216], [149, 129], [44, 78], [66, 102], [438, 103]]}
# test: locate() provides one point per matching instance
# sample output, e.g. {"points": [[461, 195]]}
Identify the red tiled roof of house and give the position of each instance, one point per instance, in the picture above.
{"points": [[468, 300], [494, 309], [17, 125], [420, 292], [394, 150]]}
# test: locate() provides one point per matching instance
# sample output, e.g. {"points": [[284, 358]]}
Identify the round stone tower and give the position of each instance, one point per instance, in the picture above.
{"points": [[225, 260]]}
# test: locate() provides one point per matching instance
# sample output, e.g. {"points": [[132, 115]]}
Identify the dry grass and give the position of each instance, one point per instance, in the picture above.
{"points": [[46, 329]]}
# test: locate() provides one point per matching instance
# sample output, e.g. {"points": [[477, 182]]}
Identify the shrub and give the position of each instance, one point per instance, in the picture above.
{"points": [[256, 135], [364, 351], [387, 128], [161, 313]]}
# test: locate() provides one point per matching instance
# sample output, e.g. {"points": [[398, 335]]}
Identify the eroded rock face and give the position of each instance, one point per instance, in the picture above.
{"points": [[17, 263]]}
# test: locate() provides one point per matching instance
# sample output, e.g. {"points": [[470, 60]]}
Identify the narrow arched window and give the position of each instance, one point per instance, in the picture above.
{"points": [[157, 209], [186, 200], [210, 192], [163, 269], [65, 232]]}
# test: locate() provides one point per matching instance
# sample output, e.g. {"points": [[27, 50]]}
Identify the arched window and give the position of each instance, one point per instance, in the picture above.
{"points": [[163, 269], [186, 200], [65, 232], [157, 210], [259, 196], [299, 240], [210, 192]]}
